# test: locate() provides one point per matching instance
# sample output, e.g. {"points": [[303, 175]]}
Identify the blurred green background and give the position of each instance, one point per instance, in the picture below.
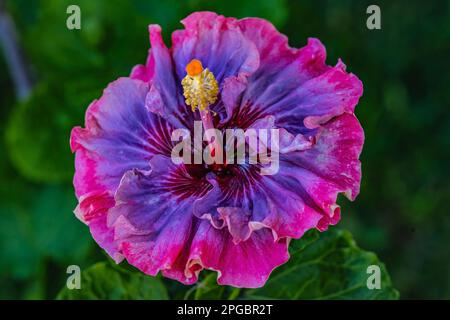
{"points": [[402, 212]]}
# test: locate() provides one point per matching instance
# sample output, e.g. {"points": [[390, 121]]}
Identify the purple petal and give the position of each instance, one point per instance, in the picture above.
{"points": [[217, 42], [153, 214], [120, 135], [165, 95]]}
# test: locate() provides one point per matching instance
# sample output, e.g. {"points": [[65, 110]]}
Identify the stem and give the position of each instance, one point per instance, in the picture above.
{"points": [[16, 63]]}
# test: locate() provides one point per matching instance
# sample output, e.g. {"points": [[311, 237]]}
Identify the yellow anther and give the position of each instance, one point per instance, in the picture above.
{"points": [[200, 87]]}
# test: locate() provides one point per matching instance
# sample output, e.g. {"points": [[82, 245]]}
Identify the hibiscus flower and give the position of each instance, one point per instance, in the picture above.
{"points": [[179, 219]]}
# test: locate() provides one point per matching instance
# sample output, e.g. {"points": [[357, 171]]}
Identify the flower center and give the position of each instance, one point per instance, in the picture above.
{"points": [[200, 87]]}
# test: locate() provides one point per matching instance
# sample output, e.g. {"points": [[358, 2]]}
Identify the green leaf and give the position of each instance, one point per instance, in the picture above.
{"points": [[104, 281], [325, 266], [208, 289]]}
